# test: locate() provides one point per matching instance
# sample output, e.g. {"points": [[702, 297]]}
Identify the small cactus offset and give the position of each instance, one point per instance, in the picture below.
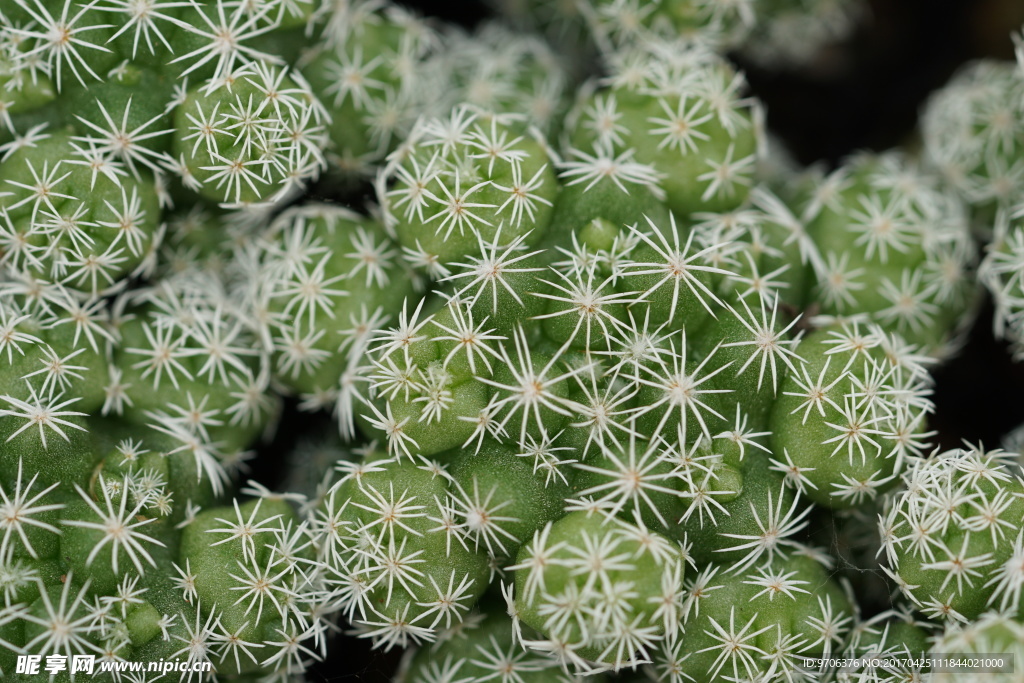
{"points": [[973, 134], [952, 537], [614, 390]]}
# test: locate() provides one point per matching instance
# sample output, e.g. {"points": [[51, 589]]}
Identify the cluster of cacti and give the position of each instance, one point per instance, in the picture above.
{"points": [[598, 365], [144, 146], [973, 135]]}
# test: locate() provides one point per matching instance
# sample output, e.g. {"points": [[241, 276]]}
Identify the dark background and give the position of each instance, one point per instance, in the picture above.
{"points": [[865, 93]]}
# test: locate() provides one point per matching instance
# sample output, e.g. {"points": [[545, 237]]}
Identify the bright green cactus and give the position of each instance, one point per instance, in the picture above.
{"points": [[254, 137], [848, 422], [369, 68], [220, 115], [889, 647], [499, 70], [973, 135], [118, 569], [642, 377], [485, 643], [78, 220], [758, 624], [328, 280], [771, 33], [397, 546], [133, 380], [627, 22], [600, 589]]}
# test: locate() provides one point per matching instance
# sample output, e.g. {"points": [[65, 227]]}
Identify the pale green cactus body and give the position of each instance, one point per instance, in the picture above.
{"points": [[676, 118], [888, 647], [369, 68], [759, 623], [853, 416], [1002, 274], [600, 589], [952, 536], [894, 248], [463, 180], [974, 137]]}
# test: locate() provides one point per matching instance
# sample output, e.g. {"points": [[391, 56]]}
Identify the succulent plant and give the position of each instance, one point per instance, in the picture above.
{"points": [[973, 136], [678, 111], [894, 247], [465, 180], [368, 67], [598, 372], [134, 380], [951, 536]]}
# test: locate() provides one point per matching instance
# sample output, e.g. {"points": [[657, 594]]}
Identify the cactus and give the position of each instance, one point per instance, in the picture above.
{"points": [[596, 367], [1001, 272], [894, 247], [890, 646], [951, 536], [973, 136]]}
